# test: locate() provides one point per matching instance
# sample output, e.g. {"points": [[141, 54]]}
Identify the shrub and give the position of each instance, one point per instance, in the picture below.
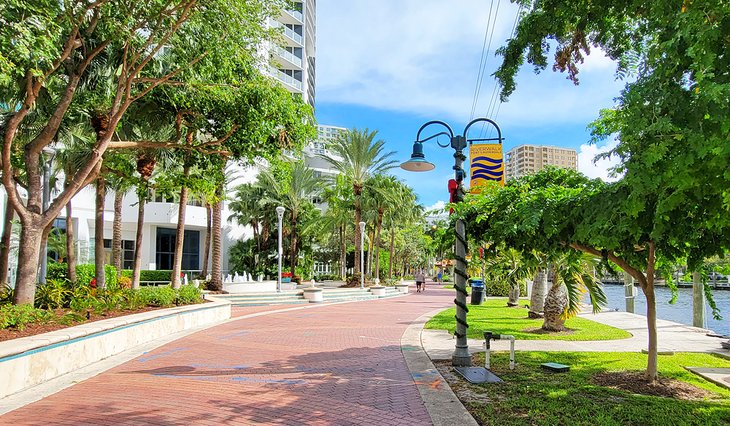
{"points": [[18, 316], [327, 277], [501, 288], [124, 282], [86, 272], [54, 294], [6, 294], [158, 296], [161, 275], [188, 294], [87, 304]]}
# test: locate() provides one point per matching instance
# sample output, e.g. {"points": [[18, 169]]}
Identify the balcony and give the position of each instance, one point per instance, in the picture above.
{"points": [[289, 33], [296, 15], [289, 60], [286, 79]]}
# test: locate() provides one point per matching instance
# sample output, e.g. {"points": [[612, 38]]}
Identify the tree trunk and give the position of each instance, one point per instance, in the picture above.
{"points": [[25, 283], [698, 301], [377, 245], [343, 253], [371, 240], [208, 229], [293, 252], [70, 247], [358, 219], [180, 232], [137, 268], [653, 352], [216, 281], [555, 305], [539, 290], [6, 238], [117, 232], [99, 259], [390, 254], [514, 295]]}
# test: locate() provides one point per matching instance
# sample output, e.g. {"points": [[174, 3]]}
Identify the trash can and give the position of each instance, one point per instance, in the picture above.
{"points": [[477, 291]]}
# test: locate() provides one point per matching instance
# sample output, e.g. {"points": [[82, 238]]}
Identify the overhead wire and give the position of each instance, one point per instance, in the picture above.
{"points": [[486, 47]]}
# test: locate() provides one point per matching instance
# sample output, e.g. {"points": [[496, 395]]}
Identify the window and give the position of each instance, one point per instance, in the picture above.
{"points": [[166, 239], [127, 252]]}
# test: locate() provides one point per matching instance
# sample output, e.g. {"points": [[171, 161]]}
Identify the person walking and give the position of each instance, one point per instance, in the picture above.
{"points": [[420, 280]]}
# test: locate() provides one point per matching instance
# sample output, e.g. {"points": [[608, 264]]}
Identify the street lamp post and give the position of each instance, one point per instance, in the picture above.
{"points": [[418, 163], [280, 215], [362, 255]]}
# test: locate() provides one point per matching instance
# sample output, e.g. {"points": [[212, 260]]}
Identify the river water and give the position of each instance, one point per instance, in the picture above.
{"points": [[680, 311]]}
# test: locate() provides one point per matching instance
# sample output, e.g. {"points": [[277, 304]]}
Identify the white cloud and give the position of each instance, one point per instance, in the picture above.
{"points": [[422, 56], [438, 205], [600, 168]]}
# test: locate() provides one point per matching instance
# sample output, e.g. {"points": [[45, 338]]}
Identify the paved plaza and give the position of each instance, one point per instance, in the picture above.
{"points": [[355, 363]]}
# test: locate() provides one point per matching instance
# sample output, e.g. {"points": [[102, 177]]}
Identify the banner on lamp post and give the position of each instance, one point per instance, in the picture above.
{"points": [[487, 164]]}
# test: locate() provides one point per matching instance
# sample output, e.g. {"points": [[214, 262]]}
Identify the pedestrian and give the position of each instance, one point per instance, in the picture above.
{"points": [[419, 281], [440, 276]]}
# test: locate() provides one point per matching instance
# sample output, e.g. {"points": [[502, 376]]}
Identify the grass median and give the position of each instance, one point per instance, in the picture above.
{"points": [[600, 389], [496, 317]]}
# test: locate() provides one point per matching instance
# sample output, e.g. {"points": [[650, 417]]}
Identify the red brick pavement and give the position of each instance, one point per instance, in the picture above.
{"points": [[322, 365]]}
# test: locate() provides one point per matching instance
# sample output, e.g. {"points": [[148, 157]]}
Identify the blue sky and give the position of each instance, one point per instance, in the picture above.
{"points": [[391, 66]]}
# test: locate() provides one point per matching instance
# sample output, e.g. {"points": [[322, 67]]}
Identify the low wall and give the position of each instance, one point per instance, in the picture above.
{"points": [[250, 287], [32, 360]]}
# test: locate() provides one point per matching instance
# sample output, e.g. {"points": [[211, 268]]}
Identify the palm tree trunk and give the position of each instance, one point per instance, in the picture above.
{"points": [[539, 290], [293, 252], [99, 258], [358, 219], [343, 253], [555, 304], [7, 235], [208, 230], [70, 247], [180, 232], [117, 232], [216, 281], [371, 241], [390, 256], [137, 268], [377, 245]]}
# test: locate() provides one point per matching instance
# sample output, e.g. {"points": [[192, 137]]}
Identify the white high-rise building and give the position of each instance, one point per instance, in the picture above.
{"points": [[527, 159], [294, 64]]}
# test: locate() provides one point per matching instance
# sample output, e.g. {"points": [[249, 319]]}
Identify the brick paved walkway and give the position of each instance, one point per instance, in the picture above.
{"points": [[321, 365]]}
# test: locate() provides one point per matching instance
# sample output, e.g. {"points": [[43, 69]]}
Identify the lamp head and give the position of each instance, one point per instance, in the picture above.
{"points": [[418, 162], [362, 226], [280, 211]]}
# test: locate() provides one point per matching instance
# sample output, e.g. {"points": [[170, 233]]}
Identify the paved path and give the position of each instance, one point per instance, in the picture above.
{"points": [[336, 364], [672, 336]]}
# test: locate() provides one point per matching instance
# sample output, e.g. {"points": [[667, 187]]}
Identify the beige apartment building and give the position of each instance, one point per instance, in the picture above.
{"points": [[527, 159]]}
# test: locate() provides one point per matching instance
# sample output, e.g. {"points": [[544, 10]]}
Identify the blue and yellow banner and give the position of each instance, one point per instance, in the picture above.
{"points": [[487, 164]]}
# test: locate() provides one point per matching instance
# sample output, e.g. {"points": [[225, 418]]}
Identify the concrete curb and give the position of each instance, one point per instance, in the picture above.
{"points": [[441, 403]]}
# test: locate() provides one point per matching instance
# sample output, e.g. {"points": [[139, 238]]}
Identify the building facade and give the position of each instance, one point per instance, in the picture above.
{"points": [[527, 159], [293, 64]]}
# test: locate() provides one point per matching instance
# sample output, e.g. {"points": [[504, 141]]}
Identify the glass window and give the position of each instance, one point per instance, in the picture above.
{"points": [[166, 238]]}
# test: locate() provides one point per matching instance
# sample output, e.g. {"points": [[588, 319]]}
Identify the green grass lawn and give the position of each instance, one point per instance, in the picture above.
{"points": [[496, 317], [532, 396]]}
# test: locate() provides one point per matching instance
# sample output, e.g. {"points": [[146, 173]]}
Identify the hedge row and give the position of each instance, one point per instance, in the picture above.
{"points": [[86, 272]]}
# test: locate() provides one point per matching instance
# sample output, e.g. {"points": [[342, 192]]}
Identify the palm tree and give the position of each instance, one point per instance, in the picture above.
{"points": [[383, 194], [294, 196], [573, 276], [513, 267], [340, 203], [407, 212], [357, 156]]}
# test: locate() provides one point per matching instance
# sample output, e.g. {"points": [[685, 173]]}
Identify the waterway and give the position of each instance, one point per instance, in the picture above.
{"points": [[680, 311]]}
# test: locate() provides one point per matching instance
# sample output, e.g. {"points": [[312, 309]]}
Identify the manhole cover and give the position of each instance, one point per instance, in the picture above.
{"points": [[478, 375]]}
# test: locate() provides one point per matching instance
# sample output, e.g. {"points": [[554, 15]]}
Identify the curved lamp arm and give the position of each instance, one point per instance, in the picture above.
{"points": [[487, 120], [450, 132]]}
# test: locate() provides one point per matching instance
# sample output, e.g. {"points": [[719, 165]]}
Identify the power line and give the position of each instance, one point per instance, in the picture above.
{"points": [[486, 47]]}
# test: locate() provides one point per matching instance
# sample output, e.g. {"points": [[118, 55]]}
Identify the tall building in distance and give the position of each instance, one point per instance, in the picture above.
{"points": [[527, 159], [294, 63], [313, 151]]}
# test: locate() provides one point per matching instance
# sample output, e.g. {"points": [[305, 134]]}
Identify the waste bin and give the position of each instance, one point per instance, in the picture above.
{"points": [[477, 291]]}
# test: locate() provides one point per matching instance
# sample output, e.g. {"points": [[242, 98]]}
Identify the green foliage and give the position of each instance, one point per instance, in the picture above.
{"points": [[84, 273], [158, 296], [501, 288], [576, 398], [6, 294], [189, 294], [54, 294], [494, 316], [326, 277], [18, 316]]}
